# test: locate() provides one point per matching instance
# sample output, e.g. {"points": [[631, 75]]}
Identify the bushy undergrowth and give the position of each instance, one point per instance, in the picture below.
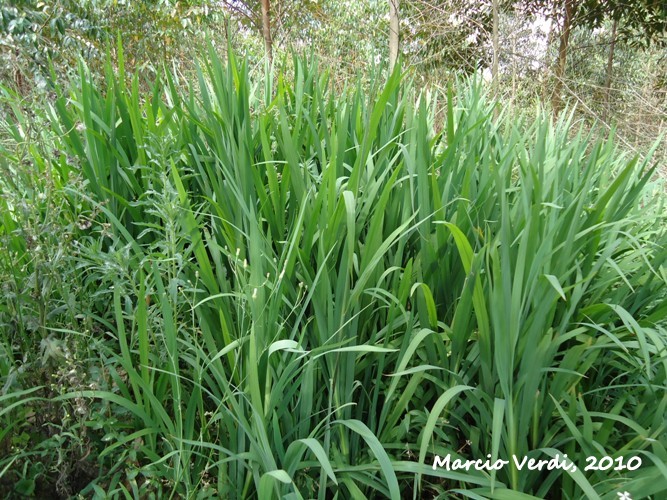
{"points": [[238, 290]]}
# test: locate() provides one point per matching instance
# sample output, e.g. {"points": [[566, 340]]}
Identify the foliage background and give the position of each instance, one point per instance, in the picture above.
{"points": [[227, 279]]}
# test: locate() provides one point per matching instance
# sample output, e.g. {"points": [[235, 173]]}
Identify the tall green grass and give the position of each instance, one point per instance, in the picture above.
{"points": [[311, 295]]}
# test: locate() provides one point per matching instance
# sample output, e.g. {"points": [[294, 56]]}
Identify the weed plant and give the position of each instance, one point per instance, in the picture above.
{"points": [[270, 289]]}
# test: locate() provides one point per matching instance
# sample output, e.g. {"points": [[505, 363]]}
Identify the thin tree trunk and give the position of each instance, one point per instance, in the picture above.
{"points": [[550, 40], [266, 29], [496, 48], [561, 63], [610, 70], [514, 65], [393, 33]]}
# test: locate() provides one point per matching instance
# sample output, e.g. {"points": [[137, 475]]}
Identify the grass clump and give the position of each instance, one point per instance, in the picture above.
{"points": [[282, 291]]}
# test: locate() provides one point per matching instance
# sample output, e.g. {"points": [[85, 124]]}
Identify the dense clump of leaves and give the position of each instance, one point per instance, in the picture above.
{"points": [[303, 293], [42, 41]]}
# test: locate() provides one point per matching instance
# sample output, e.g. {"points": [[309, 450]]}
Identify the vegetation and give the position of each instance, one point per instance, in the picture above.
{"points": [[263, 277], [315, 292]]}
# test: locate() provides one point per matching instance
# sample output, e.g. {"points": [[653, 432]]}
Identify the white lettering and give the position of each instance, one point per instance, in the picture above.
{"points": [[441, 462], [521, 464]]}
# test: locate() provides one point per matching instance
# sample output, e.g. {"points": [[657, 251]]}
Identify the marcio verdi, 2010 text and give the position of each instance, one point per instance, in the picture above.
{"points": [[521, 463]]}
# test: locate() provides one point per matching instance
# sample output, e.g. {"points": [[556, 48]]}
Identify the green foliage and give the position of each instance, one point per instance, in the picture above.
{"points": [[641, 23], [32, 33], [440, 34], [41, 41], [284, 291]]}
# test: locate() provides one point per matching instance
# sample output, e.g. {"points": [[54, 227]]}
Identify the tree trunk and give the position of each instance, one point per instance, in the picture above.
{"points": [[550, 40], [494, 66], [393, 33], [610, 70], [561, 63], [266, 29]]}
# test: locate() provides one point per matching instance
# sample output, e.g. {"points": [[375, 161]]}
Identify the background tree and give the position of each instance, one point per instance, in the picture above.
{"points": [[393, 32], [569, 11], [34, 33], [640, 23], [496, 46], [266, 28], [441, 35]]}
